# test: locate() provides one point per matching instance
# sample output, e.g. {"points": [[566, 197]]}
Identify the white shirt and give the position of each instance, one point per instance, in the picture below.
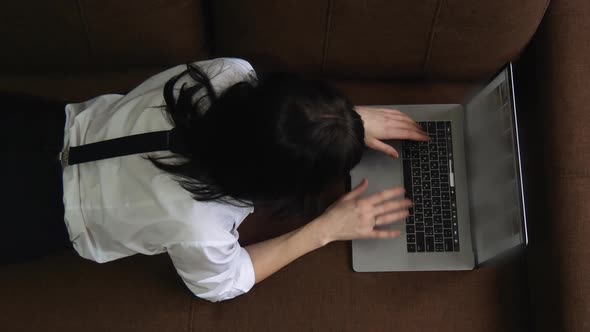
{"points": [[122, 206]]}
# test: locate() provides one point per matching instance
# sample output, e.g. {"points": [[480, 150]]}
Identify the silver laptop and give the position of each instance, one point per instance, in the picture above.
{"points": [[466, 185]]}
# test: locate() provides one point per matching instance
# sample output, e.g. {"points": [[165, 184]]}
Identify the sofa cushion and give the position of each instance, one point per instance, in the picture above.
{"points": [[556, 105], [319, 291], [68, 34], [136, 33], [64, 292], [40, 34], [276, 34], [378, 39]]}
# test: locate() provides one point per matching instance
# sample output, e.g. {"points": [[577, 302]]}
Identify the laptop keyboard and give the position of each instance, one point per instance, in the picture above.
{"points": [[429, 182]]}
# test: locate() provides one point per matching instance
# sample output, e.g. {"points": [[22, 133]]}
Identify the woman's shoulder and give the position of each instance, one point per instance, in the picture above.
{"points": [[227, 71]]}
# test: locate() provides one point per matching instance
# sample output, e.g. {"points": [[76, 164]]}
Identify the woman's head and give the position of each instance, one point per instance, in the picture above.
{"points": [[280, 140]]}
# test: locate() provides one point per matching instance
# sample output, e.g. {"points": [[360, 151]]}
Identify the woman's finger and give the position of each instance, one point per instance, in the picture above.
{"points": [[384, 195], [408, 133], [395, 114], [385, 234], [392, 206], [389, 110], [357, 191], [405, 119], [376, 144], [391, 217]]}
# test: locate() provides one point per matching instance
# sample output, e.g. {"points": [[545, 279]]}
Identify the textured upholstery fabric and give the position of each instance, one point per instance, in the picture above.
{"points": [[556, 99], [75, 35], [378, 39]]}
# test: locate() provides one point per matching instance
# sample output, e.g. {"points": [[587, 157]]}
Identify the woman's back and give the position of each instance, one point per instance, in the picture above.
{"points": [[122, 206]]}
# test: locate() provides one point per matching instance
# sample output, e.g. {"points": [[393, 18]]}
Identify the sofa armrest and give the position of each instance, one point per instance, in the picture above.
{"points": [[553, 76]]}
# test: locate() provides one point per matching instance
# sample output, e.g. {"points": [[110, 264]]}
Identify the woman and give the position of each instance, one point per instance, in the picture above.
{"points": [[276, 141]]}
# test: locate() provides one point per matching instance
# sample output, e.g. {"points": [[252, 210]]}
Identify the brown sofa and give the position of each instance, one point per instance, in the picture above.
{"points": [[379, 52]]}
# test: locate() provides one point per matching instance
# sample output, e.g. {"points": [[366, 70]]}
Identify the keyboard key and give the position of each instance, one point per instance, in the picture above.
{"points": [[433, 155], [420, 242], [417, 199], [428, 221], [446, 214], [448, 233], [427, 213], [406, 152], [420, 217], [420, 227], [435, 182], [416, 181], [428, 231], [448, 244], [428, 204], [425, 167], [445, 196], [427, 194], [410, 238], [435, 200], [415, 163], [415, 154], [436, 210], [426, 176], [416, 172], [456, 245], [437, 218], [418, 208], [429, 244], [433, 164], [437, 229], [438, 247], [440, 125], [438, 238], [411, 247], [425, 185], [417, 191], [410, 229], [431, 127], [409, 220], [446, 205], [434, 173]]}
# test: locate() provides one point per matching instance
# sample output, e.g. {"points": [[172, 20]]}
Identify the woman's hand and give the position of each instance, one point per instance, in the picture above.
{"points": [[353, 218], [384, 124]]}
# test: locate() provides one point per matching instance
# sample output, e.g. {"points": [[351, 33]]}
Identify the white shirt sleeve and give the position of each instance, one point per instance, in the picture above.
{"points": [[215, 270]]}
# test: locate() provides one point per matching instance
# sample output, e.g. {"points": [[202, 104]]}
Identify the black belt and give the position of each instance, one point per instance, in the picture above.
{"points": [[122, 146]]}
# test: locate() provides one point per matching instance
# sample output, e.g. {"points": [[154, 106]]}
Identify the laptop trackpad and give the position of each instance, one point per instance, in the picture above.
{"points": [[382, 171]]}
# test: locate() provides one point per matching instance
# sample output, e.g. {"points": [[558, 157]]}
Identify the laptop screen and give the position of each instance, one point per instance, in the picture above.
{"points": [[493, 169]]}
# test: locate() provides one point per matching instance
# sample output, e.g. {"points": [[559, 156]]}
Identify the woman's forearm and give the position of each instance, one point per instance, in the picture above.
{"points": [[272, 255]]}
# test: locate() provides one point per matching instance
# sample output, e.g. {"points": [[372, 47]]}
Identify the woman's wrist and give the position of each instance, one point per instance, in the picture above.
{"points": [[318, 232]]}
